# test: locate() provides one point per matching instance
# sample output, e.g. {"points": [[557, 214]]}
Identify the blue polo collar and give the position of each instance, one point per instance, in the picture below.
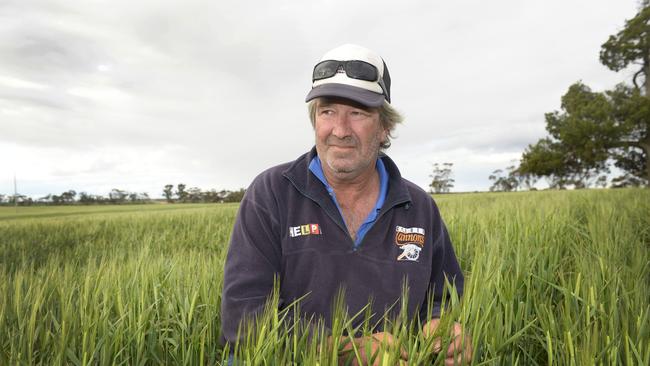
{"points": [[317, 169]]}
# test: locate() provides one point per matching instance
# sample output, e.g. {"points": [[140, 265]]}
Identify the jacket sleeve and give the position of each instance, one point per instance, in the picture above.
{"points": [[253, 260], [444, 267]]}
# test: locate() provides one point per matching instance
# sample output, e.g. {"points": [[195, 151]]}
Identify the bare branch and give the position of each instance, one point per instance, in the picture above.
{"points": [[636, 74]]}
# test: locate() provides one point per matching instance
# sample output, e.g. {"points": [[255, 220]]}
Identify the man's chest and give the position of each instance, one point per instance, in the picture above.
{"points": [[355, 216], [319, 257], [391, 235]]}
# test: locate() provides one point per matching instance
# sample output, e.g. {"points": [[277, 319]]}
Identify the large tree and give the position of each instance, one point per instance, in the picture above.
{"points": [[594, 129], [631, 48]]}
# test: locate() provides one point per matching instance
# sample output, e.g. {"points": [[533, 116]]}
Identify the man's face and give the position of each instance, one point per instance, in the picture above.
{"points": [[347, 137]]}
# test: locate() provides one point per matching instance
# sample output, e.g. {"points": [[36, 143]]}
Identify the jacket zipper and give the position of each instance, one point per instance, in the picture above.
{"points": [[381, 213]]}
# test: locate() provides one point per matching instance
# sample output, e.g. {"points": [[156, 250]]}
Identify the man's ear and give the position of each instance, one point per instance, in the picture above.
{"points": [[384, 136]]}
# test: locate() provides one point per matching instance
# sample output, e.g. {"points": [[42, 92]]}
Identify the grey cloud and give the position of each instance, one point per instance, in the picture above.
{"points": [[45, 54], [36, 99], [99, 166], [494, 139], [225, 81]]}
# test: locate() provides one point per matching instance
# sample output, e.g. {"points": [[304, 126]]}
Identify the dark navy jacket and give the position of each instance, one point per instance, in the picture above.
{"points": [[289, 226]]}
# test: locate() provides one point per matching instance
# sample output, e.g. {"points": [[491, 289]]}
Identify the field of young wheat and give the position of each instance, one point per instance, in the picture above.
{"points": [[552, 278]]}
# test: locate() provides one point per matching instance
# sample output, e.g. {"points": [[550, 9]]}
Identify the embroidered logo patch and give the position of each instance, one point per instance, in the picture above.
{"points": [[302, 230], [410, 240]]}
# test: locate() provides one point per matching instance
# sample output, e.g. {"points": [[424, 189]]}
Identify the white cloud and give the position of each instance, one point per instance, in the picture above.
{"points": [[99, 94], [12, 82]]}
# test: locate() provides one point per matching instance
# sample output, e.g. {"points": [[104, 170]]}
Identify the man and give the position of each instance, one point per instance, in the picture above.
{"points": [[341, 216]]}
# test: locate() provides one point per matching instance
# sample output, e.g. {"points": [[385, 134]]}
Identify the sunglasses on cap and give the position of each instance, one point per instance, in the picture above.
{"points": [[354, 69]]}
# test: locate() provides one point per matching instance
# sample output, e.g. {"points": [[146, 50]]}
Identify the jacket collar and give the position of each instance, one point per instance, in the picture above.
{"points": [[308, 184]]}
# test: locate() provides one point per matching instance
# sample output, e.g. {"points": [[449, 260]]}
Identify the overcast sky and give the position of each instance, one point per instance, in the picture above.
{"points": [[97, 94]]}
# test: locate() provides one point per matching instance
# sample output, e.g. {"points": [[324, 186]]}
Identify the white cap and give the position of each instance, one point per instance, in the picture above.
{"points": [[369, 93]]}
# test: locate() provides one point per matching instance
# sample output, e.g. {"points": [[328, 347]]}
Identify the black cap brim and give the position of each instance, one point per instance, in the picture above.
{"points": [[363, 96]]}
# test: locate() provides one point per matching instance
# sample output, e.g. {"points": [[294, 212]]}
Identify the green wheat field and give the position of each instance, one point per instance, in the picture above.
{"points": [[552, 278]]}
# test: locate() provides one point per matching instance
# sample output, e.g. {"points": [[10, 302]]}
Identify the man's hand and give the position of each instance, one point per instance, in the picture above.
{"points": [[373, 346], [459, 351]]}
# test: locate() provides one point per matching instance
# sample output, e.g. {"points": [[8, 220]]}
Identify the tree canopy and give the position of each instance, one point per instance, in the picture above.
{"points": [[594, 130], [630, 46]]}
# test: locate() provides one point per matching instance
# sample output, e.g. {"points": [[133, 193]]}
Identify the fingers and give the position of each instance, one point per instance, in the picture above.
{"points": [[430, 327], [459, 352], [403, 355], [460, 348], [437, 345], [457, 342], [367, 350], [386, 340], [376, 349], [460, 359]]}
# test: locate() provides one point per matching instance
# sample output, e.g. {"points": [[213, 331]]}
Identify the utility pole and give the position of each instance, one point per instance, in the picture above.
{"points": [[15, 194]]}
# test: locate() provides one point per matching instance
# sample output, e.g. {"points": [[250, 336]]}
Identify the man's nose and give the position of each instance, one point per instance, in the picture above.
{"points": [[341, 127]]}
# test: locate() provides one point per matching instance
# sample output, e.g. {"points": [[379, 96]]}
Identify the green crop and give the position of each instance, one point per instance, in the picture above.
{"points": [[552, 278]]}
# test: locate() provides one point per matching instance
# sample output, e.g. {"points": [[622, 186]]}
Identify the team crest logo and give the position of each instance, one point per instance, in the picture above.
{"points": [[410, 240]]}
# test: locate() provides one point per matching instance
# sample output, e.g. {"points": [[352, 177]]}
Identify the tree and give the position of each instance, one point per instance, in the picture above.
{"points": [[546, 159], [117, 195], [86, 198], [212, 196], [631, 46], [580, 138], [180, 192], [632, 111], [194, 195], [595, 129], [20, 199], [68, 197], [504, 183], [525, 180], [441, 180], [56, 199], [167, 192], [234, 196], [592, 130]]}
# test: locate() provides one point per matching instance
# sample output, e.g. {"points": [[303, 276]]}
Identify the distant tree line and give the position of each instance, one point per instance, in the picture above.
{"points": [[182, 194], [71, 197], [119, 196]]}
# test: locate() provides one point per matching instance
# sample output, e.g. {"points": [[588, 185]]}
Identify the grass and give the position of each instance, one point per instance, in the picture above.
{"points": [[34, 212], [552, 277]]}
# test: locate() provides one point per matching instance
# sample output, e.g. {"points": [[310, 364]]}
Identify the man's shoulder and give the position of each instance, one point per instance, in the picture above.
{"points": [[420, 199], [416, 192]]}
